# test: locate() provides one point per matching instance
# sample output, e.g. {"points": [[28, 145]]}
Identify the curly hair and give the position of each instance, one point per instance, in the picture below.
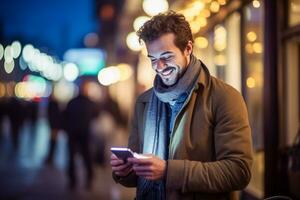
{"points": [[169, 22]]}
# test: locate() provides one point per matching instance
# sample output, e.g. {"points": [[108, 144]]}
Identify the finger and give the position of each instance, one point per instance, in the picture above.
{"points": [[116, 162], [140, 161], [122, 173], [142, 168], [133, 160], [121, 167], [113, 156]]}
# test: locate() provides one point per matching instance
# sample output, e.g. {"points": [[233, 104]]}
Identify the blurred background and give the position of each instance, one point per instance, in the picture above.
{"points": [[52, 52]]}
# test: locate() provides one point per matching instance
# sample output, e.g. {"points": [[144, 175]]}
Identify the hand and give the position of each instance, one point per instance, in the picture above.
{"points": [[119, 167], [151, 168]]}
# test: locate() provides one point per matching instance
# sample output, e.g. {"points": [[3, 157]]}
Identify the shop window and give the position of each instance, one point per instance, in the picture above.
{"points": [[220, 47], [294, 12], [253, 86], [233, 52], [212, 49]]}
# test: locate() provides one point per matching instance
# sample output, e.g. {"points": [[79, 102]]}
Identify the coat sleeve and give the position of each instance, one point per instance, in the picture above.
{"points": [[134, 144], [233, 150]]}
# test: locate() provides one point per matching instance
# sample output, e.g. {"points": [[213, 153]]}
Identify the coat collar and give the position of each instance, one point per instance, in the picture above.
{"points": [[203, 76]]}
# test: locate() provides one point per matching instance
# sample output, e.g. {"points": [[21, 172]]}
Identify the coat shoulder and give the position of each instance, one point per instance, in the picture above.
{"points": [[222, 90], [145, 96]]}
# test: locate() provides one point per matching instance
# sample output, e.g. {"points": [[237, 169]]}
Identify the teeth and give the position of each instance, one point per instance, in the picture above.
{"points": [[167, 72]]}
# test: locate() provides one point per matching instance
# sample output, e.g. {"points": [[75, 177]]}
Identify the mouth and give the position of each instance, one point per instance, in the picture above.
{"points": [[167, 72]]}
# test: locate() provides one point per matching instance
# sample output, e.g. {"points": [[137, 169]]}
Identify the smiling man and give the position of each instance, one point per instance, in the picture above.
{"points": [[192, 127]]}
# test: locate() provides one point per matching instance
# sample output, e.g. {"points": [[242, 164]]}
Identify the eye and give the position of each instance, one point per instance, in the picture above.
{"points": [[153, 61], [167, 58]]}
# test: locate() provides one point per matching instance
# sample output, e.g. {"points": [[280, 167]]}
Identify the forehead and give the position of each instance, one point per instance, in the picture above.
{"points": [[162, 44]]}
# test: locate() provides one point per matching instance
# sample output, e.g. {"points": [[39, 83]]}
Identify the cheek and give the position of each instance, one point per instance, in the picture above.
{"points": [[180, 61]]}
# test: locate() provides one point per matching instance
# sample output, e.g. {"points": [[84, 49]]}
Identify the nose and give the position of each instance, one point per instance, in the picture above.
{"points": [[160, 65]]}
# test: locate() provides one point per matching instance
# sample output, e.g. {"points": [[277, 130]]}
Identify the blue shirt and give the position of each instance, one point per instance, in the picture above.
{"points": [[174, 110]]}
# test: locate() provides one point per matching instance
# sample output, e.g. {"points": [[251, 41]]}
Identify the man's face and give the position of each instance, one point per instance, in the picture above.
{"points": [[167, 59]]}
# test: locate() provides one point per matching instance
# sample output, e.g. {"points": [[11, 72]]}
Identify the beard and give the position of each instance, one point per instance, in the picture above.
{"points": [[173, 76]]}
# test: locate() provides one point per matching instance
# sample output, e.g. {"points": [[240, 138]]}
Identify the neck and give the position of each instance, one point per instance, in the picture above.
{"points": [[188, 60]]}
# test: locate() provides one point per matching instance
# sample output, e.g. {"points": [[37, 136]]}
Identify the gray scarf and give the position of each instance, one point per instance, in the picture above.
{"points": [[156, 127]]}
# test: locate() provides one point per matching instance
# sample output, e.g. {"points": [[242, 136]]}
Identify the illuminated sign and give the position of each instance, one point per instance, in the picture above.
{"points": [[89, 60]]}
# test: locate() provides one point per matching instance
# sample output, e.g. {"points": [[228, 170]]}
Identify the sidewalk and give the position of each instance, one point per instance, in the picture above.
{"points": [[23, 174]]}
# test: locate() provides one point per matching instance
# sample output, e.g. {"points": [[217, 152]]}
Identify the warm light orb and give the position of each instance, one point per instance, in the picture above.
{"points": [[109, 75], [201, 42], [251, 36], [139, 22], [133, 43], [251, 82], [153, 7], [214, 7], [256, 3]]}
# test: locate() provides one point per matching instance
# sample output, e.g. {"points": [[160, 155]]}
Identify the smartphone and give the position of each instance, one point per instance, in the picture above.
{"points": [[122, 153]]}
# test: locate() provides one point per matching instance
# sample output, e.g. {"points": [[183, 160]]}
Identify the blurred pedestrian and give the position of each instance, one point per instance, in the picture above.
{"points": [[55, 123], [16, 114], [78, 116]]}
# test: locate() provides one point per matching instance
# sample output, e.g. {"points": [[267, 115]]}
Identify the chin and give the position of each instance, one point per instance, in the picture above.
{"points": [[170, 82]]}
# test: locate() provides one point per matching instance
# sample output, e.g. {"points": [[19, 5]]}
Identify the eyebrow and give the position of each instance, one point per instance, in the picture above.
{"points": [[164, 53]]}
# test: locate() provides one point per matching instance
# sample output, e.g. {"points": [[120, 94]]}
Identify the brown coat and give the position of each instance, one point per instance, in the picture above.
{"points": [[210, 153]]}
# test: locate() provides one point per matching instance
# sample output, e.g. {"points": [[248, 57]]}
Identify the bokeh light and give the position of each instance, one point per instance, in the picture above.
{"points": [[256, 3], [220, 60], [94, 91], [2, 90], [249, 48], [220, 35], [1, 51], [27, 53], [251, 82], [9, 66], [64, 91], [139, 22], [257, 47], [91, 40], [109, 75], [205, 13], [125, 71], [153, 7], [251, 36], [8, 57], [222, 2], [32, 87], [16, 49], [201, 42], [214, 7], [71, 71], [133, 43], [195, 26]]}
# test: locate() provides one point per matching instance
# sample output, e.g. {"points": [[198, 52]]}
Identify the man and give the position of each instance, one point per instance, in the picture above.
{"points": [[79, 114], [193, 127], [55, 120]]}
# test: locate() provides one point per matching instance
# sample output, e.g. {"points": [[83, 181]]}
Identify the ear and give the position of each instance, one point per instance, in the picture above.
{"points": [[189, 48]]}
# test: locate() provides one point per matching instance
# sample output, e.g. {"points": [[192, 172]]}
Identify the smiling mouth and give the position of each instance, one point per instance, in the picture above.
{"points": [[167, 72]]}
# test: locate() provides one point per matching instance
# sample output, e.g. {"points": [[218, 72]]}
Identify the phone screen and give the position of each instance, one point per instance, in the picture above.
{"points": [[122, 153]]}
